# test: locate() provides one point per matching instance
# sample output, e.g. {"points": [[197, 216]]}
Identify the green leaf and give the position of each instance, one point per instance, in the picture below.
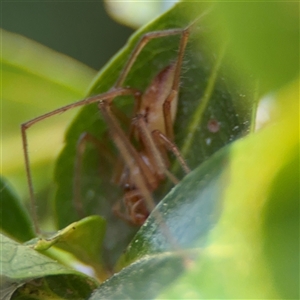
{"points": [[85, 239], [239, 211], [206, 97], [23, 266], [65, 287], [189, 212], [144, 279], [14, 219], [82, 239], [253, 251]]}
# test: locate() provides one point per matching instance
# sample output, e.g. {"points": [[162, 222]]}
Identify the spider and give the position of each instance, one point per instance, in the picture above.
{"points": [[140, 171]]}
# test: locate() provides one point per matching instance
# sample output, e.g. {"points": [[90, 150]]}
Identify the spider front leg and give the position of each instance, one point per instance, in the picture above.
{"points": [[144, 40], [175, 86], [25, 126]]}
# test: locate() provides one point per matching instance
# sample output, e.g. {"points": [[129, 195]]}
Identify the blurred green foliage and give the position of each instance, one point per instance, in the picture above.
{"points": [[238, 212]]}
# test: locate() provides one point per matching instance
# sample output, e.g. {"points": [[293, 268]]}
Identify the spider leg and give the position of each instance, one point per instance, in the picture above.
{"points": [[175, 85], [144, 40], [136, 210], [152, 149], [159, 136], [111, 94]]}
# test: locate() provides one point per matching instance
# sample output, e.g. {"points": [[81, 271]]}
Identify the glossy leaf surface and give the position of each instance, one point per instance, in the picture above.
{"points": [[244, 246], [206, 98], [23, 265]]}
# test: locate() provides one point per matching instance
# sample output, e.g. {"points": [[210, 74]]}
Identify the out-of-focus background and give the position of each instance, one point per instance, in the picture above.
{"points": [[82, 30]]}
